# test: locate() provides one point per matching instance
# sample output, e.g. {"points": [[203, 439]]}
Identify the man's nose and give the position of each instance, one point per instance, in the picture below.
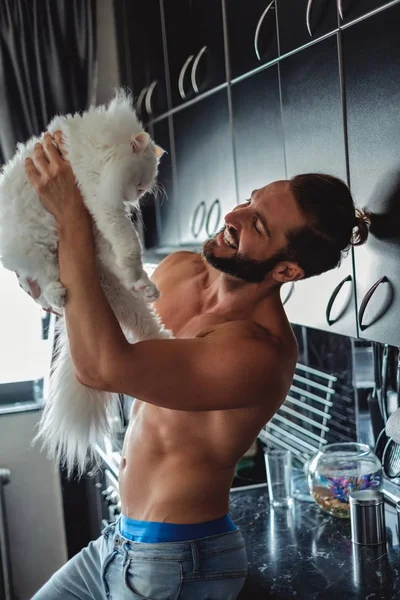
{"points": [[234, 219]]}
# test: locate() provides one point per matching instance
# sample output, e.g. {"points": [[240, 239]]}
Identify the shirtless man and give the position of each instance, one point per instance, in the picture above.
{"points": [[201, 398]]}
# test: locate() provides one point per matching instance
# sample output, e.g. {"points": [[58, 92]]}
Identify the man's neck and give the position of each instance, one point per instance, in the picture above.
{"points": [[226, 295]]}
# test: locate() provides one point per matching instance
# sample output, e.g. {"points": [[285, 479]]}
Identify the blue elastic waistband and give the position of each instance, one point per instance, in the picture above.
{"points": [[153, 532]]}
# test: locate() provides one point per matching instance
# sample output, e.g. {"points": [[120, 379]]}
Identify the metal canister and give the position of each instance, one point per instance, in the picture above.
{"points": [[367, 515]]}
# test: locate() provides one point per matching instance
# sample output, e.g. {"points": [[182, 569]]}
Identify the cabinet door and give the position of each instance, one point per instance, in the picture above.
{"points": [[141, 55], [204, 162], [302, 21], [258, 136], [252, 35], [165, 199], [371, 53], [195, 46], [314, 142], [353, 9]]}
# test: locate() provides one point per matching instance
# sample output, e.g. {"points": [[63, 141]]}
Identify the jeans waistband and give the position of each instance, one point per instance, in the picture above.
{"points": [[154, 532]]}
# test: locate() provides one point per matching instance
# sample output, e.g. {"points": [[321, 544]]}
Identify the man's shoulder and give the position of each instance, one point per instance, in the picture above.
{"points": [[251, 353], [252, 336], [180, 256], [178, 264]]}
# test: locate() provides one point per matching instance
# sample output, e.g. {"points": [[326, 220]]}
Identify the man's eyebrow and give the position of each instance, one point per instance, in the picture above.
{"points": [[263, 223]]}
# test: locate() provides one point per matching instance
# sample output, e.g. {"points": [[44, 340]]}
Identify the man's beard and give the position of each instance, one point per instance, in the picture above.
{"points": [[246, 269]]}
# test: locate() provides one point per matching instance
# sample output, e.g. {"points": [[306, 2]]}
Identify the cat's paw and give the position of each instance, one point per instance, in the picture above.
{"points": [[55, 295], [146, 290]]}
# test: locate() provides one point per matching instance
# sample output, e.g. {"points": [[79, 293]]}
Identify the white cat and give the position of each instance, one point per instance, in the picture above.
{"points": [[114, 162]]}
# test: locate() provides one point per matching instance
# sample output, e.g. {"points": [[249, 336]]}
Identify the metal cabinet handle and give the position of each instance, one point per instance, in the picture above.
{"points": [[149, 95], [194, 68], [333, 298], [199, 210], [308, 16], [182, 76], [215, 205], [258, 28], [141, 96], [366, 299], [340, 8], [289, 294]]}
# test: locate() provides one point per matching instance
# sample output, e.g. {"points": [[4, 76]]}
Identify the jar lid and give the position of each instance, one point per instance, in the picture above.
{"points": [[366, 497]]}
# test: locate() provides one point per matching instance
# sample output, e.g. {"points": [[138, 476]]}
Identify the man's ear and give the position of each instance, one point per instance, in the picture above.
{"points": [[287, 271]]}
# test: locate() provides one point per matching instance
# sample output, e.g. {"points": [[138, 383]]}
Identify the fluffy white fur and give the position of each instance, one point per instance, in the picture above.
{"points": [[114, 163]]}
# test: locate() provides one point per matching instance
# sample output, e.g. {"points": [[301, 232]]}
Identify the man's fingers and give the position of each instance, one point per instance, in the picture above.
{"points": [[51, 149], [60, 143], [31, 171], [40, 158]]}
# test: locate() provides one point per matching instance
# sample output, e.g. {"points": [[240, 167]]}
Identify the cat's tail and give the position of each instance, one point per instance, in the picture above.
{"points": [[75, 418]]}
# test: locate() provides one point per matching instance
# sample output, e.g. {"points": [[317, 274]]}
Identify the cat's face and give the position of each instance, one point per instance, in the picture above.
{"points": [[133, 169]]}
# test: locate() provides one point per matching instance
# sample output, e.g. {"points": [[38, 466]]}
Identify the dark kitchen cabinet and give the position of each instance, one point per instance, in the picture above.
{"points": [[141, 55], [371, 53], [353, 9], [302, 21], [205, 171], [252, 38], [166, 208], [195, 46], [314, 142], [258, 135]]}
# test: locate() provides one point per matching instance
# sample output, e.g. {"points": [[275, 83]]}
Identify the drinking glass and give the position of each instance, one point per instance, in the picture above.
{"points": [[278, 465]]}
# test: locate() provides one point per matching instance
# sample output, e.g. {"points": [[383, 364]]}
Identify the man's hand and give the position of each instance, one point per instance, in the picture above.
{"points": [[51, 175]]}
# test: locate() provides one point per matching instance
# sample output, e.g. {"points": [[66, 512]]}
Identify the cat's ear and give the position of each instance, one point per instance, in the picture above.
{"points": [[158, 151], [140, 142]]}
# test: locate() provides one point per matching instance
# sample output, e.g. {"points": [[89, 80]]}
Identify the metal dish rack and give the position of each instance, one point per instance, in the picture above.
{"points": [[302, 423]]}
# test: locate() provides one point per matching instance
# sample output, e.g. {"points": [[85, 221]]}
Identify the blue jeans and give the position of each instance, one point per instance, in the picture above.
{"points": [[116, 568]]}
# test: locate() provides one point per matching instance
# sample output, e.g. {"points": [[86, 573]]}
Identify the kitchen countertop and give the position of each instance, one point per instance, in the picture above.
{"points": [[304, 553], [20, 407]]}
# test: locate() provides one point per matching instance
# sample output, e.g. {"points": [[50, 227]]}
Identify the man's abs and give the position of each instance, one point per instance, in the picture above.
{"points": [[177, 466]]}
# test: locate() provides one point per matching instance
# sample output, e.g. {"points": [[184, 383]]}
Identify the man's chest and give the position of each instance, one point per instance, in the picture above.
{"points": [[178, 309], [181, 308], [179, 283]]}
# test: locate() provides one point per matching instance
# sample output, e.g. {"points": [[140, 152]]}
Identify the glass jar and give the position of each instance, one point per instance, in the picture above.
{"points": [[339, 469]]}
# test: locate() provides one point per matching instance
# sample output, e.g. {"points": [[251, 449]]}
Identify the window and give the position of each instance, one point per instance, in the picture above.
{"points": [[24, 353]]}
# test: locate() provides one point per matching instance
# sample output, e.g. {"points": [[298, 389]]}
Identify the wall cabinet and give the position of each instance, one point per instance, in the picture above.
{"points": [[304, 21], [251, 34], [327, 106], [353, 9], [372, 82], [195, 46], [141, 51], [257, 129], [205, 168], [314, 142], [166, 200]]}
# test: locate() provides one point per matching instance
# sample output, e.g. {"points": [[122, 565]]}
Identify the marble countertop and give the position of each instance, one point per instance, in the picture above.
{"points": [[304, 553]]}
